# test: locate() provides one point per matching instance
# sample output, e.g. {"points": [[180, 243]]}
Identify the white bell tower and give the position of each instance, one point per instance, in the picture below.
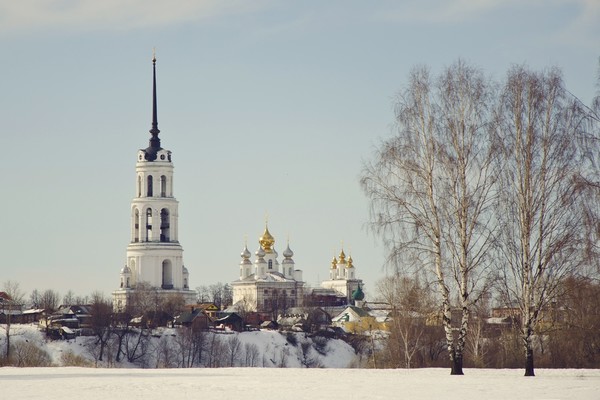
{"points": [[154, 255]]}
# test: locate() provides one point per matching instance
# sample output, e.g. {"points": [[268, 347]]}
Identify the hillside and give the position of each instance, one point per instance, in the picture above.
{"points": [[170, 348]]}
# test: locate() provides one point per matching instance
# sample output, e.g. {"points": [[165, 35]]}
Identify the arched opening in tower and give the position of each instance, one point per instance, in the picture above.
{"points": [[167, 275], [149, 192], [149, 225], [163, 186], [136, 225], [164, 225]]}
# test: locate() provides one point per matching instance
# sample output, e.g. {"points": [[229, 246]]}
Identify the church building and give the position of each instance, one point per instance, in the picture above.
{"points": [[343, 280], [265, 285], [154, 254]]}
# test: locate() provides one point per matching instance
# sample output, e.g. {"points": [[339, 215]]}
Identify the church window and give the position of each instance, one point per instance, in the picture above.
{"points": [[127, 285], [149, 188], [266, 291], [136, 225], [148, 224], [164, 225], [139, 186], [270, 264], [163, 186], [293, 291]]}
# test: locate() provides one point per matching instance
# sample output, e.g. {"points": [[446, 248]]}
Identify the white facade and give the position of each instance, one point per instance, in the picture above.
{"points": [[154, 255], [342, 277], [265, 285]]}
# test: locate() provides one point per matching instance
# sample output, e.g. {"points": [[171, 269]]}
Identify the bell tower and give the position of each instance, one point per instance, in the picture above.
{"points": [[154, 254]]}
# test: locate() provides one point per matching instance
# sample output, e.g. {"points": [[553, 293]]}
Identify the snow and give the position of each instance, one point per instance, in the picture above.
{"points": [[295, 383], [333, 381]]}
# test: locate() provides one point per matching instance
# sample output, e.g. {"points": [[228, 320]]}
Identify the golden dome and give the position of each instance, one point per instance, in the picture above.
{"points": [[349, 262], [334, 263], [267, 241], [342, 257]]}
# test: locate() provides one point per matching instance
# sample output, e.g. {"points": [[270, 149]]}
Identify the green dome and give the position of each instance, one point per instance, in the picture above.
{"points": [[358, 294]]}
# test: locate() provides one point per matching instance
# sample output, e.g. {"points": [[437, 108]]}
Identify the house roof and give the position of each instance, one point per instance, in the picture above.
{"points": [[207, 306], [187, 316], [270, 276], [228, 317], [351, 313]]}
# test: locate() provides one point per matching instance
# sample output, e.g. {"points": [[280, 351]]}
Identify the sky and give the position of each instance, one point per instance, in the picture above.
{"points": [[270, 108]]}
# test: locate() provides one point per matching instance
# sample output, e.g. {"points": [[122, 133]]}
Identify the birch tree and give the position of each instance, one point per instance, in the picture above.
{"points": [[540, 210], [431, 185]]}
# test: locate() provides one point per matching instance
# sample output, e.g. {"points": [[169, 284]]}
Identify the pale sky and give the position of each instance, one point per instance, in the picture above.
{"points": [[269, 107]]}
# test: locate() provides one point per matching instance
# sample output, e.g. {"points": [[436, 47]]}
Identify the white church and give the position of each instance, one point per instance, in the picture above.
{"points": [[342, 278], [265, 285], [154, 254]]}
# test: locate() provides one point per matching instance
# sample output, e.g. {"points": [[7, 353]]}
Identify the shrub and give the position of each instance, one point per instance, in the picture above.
{"points": [[291, 338], [27, 354], [70, 359]]}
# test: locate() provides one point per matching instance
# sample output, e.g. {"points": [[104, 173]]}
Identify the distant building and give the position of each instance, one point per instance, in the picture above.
{"points": [[154, 255], [266, 286], [343, 280]]}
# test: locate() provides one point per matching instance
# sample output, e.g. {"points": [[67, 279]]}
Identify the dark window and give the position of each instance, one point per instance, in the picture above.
{"points": [[149, 193]]}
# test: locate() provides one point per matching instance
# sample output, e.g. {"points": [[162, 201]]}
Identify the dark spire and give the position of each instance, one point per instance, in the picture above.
{"points": [[154, 140]]}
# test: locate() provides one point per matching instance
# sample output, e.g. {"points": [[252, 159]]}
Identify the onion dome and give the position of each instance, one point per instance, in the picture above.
{"points": [[260, 253], [245, 256], [350, 265], [267, 241], [334, 263], [342, 257], [245, 253], [288, 254], [125, 270], [358, 294]]}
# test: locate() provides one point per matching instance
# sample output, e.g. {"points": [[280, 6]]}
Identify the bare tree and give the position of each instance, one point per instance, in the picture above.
{"points": [[540, 210], [14, 302], [101, 321], [431, 187], [233, 349], [476, 339], [411, 303], [35, 299], [49, 300], [69, 299], [202, 294], [251, 352]]}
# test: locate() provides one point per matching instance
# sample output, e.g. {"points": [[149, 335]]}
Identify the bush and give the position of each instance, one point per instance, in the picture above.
{"points": [[291, 338], [320, 343], [70, 359], [27, 354]]}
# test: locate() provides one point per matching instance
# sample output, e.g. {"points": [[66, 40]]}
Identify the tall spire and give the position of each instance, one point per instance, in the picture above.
{"points": [[154, 131], [154, 140]]}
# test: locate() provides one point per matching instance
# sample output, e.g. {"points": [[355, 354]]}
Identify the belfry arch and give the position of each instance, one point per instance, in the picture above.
{"points": [[165, 227]]}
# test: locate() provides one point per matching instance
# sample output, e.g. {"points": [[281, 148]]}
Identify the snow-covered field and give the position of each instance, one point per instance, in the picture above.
{"points": [[294, 383], [335, 381]]}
